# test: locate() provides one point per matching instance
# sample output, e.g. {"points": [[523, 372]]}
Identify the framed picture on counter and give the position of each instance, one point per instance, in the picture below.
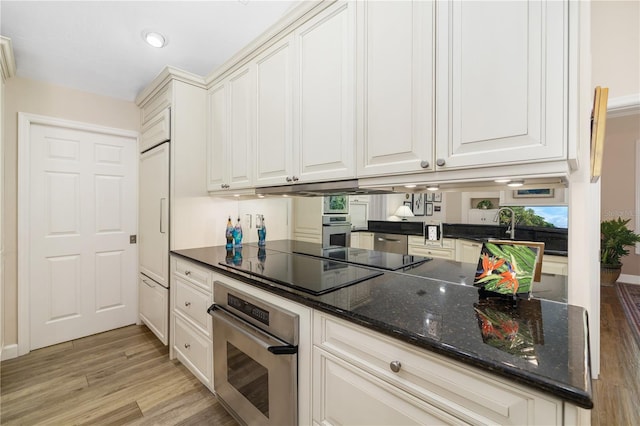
{"points": [[428, 209], [418, 204], [409, 204], [437, 197], [429, 196]]}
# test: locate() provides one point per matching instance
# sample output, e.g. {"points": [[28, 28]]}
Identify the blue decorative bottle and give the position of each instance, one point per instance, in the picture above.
{"points": [[237, 234], [262, 230], [229, 233]]}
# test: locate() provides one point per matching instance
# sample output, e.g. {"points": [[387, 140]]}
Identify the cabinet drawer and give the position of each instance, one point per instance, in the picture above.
{"points": [[194, 351], [193, 274], [432, 252], [160, 101], [153, 307], [193, 304], [457, 389]]}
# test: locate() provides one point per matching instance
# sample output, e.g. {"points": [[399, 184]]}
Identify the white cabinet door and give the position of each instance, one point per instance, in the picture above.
{"points": [[395, 74], [307, 219], [324, 96], [231, 130], [482, 216], [274, 114], [153, 214], [217, 137], [501, 82], [241, 129], [468, 251]]}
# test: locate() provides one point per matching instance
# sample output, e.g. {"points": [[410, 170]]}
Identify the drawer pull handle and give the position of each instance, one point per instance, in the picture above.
{"points": [[187, 346], [187, 273], [187, 304], [395, 366]]}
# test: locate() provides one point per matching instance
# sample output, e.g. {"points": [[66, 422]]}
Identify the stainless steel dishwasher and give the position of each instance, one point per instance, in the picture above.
{"points": [[391, 243]]}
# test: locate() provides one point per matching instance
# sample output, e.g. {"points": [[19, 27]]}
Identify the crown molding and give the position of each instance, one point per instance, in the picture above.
{"points": [[7, 60], [623, 105], [168, 74], [301, 12]]}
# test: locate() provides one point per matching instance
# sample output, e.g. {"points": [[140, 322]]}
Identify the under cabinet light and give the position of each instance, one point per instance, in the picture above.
{"points": [[432, 187], [515, 183], [502, 180]]}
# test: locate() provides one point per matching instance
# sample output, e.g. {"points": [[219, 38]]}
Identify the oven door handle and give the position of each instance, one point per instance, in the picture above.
{"points": [[252, 332], [283, 350]]}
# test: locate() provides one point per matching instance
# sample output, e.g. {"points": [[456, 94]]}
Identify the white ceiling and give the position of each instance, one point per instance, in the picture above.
{"points": [[97, 46]]}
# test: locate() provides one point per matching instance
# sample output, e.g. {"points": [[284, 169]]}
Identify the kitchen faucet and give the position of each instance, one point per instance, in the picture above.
{"points": [[511, 230]]}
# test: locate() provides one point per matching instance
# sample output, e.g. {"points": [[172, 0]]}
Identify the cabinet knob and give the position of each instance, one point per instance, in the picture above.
{"points": [[424, 164], [295, 178], [289, 179], [187, 273], [395, 366], [440, 162], [187, 346], [187, 304]]}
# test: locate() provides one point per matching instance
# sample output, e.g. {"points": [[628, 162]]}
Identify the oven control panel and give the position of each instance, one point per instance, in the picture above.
{"points": [[248, 309]]}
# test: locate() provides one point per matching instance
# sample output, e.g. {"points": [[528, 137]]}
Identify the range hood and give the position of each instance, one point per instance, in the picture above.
{"points": [[318, 189]]}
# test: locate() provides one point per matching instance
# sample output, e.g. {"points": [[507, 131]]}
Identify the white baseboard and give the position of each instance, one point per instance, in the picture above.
{"points": [[629, 279], [9, 352]]}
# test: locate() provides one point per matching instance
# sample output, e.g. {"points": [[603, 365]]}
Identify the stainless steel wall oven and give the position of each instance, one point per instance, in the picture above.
{"points": [[254, 358], [336, 230]]}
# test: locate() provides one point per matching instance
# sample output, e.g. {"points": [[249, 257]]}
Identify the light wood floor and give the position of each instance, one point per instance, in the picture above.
{"points": [[616, 393], [119, 377], [125, 377]]}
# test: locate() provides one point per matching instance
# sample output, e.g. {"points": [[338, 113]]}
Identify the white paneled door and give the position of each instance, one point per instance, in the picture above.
{"points": [[82, 209]]}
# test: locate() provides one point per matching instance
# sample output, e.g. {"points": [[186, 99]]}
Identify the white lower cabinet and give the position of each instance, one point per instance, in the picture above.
{"points": [[364, 377], [468, 251], [362, 240], [191, 332], [154, 306], [444, 249], [350, 395]]}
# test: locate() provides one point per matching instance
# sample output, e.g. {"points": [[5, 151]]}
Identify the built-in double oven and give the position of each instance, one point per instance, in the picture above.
{"points": [[336, 222], [255, 358]]}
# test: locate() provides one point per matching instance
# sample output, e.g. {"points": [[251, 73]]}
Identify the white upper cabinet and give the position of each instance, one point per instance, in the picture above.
{"points": [[217, 137], [231, 130], [324, 131], [501, 83], [395, 87], [274, 114]]}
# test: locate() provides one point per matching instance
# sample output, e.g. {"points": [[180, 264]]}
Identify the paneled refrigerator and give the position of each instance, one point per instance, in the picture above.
{"points": [[153, 226]]}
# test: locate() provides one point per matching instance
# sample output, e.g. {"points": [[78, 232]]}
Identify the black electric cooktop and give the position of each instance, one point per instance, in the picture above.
{"points": [[364, 257], [312, 275]]}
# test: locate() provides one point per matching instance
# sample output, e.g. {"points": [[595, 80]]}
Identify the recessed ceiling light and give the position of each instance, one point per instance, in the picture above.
{"points": [[432, 187], [154, 39], [515, 183]]}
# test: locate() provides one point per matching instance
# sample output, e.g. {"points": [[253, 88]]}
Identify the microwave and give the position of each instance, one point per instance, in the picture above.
{"points": [[336, 204]]}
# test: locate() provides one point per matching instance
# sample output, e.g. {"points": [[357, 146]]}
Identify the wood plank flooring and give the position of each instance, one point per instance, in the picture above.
{"points": [[119, 377], [124, 376], [617, 392]]}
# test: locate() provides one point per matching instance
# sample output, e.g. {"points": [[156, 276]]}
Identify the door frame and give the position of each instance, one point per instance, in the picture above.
{"points": [[25, 121]]}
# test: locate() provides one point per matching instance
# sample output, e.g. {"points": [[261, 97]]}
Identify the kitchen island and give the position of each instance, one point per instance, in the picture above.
{"points": [[445, 316]]}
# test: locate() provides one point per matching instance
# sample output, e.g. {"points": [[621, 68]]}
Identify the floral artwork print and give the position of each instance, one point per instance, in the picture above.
{"points": [[503, 328], [506, 268]]}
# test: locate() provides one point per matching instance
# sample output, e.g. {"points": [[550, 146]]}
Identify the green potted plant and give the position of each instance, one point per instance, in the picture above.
{"points": [[615, 237]]}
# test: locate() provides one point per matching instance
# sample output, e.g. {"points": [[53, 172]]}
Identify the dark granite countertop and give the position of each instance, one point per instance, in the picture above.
{"points": [[555, 239], [432, 306]]}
